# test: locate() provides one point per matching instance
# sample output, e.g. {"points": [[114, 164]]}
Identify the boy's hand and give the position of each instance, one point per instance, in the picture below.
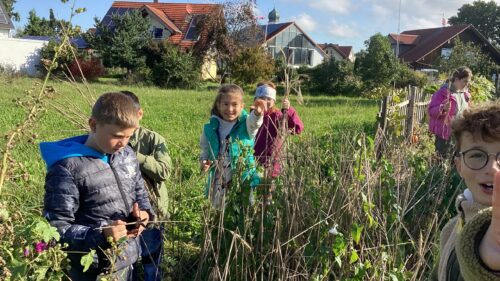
{"points": [[117, 230], [142, 220], [286, 104], [205, 165], [259, 106], [489, 249]]}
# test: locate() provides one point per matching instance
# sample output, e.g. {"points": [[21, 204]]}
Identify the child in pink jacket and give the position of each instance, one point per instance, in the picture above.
{"points": [[446, 104], [269, 141]]}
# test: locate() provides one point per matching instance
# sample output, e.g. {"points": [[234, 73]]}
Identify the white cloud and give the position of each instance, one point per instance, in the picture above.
{"points": [[336, 6], [306, 22], [342, 30]]}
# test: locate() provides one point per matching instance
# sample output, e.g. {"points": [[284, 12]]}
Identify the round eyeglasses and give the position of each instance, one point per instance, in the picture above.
{"points": [[476, 159]]}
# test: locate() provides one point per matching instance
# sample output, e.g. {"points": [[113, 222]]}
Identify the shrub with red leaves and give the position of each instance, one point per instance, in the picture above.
{"points": [[91, 68]]}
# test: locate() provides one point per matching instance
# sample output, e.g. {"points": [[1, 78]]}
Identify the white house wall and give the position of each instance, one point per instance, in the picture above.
{"points": [[4, 33], [317, 57], [21, 55]]}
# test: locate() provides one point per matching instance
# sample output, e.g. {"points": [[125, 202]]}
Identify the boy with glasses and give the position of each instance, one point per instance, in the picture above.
{"points": [[470, 242]]}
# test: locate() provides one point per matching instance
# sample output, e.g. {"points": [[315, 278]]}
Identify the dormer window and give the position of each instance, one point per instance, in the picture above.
{"points": [[158, 33]]}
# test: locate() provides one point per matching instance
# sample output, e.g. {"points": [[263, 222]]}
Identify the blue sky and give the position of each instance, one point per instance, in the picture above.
{"points": [[344, 22]]}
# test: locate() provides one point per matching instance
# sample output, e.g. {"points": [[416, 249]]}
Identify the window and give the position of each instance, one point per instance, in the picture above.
{"points": [[158, 33], [192, 33], [445, 53]]}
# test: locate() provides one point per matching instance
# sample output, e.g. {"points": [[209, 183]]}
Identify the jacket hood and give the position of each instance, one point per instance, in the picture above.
{"points": [[67, 148]]}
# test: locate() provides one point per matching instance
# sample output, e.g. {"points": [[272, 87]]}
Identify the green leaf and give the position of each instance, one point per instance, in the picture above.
{"points": [[354, 257], [4, 215], [339, 245], [356, 232], [43, 230], [338, 260], [87, 260], [41, 272]]}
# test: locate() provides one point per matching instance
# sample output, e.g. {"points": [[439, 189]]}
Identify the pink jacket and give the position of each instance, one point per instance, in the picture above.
{"points": [[439, 120], [267, 142]]}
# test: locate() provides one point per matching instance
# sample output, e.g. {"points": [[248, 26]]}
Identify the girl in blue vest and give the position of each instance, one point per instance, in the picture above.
{"points": [[227, 142]]}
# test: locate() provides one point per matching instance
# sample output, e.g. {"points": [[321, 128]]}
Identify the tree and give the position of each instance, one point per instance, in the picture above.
{"points": [[485, 16], [37, 26], [251, 65], [170, 67], [335, 78], [228, 30], [467, 54], [9, 5], [123, 44], [378, 66]]}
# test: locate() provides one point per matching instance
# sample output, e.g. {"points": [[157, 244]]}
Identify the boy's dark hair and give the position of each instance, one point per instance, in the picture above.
{"points": [[133, 97], [482, 122], [224, 91], [268, 83], [115, 109]]}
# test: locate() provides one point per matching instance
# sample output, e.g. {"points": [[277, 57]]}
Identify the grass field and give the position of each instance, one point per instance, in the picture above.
{"points": [[332, 181]]}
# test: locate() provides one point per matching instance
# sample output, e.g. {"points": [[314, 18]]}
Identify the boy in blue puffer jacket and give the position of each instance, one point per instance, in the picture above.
{"points": [[93, 188]]}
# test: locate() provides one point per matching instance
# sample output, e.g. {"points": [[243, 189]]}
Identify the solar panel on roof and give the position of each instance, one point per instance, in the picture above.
{"points": [[3, 16]]}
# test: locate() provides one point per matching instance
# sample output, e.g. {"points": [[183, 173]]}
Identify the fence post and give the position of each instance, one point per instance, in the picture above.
{"points": [[382, 124], [410, 114]]}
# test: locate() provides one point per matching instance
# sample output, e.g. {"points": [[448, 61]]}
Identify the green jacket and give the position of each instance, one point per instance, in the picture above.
{"points": [[241, 144], [459, 246], [155, 165]]}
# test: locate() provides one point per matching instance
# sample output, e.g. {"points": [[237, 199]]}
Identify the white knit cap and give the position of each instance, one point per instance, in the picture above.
{"points": [[265, 91]]}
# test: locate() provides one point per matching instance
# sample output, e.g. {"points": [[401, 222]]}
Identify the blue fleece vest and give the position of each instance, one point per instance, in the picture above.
{"points": [[240, 150]]}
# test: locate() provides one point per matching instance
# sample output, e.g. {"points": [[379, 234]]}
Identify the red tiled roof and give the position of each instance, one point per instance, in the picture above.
{"points": [[430, 39], [174, 15], [163, 18], [406, 39], [346, 50]]}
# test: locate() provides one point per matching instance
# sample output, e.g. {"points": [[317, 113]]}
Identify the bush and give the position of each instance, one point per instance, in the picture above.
{"points": [[65, 56], [481, 89], [252, 65], [91, 68], [335, 78], [409, 77], [170, 67]]}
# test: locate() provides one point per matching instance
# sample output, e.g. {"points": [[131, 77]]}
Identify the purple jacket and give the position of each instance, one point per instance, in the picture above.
{"points": [[267, 143], [439, 120]]}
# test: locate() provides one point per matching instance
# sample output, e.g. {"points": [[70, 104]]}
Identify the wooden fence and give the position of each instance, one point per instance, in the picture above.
{"points": [[413, 107]]}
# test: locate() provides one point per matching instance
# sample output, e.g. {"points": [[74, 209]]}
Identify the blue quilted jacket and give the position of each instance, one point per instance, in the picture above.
{"points": [[85, 189]]}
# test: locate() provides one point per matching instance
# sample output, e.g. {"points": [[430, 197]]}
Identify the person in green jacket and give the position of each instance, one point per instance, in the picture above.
{"points": [[154, 161], [470, 242], [227, 138]]}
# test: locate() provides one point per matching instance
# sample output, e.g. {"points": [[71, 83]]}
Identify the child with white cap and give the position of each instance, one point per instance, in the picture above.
{"points": [[268, 143]]}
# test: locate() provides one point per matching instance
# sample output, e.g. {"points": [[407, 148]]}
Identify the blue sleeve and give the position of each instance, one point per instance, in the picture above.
{"points": [[61, 202]]}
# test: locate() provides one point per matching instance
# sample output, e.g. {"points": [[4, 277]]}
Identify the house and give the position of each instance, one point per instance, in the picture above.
{"points": [[175, 22], [336, 52], [6, 26], [289, 39], [422, 47]]}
